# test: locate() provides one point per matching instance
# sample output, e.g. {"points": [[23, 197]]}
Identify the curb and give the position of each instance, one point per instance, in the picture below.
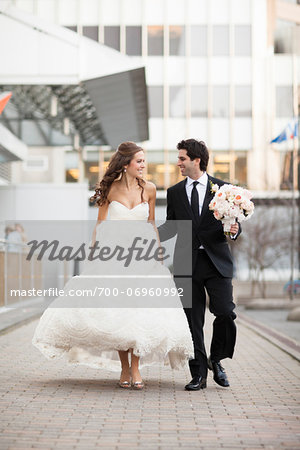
{"points": [[19, 322], [280, 340]]}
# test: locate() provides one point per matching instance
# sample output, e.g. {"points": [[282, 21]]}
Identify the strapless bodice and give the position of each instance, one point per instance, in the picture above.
{"points": [[118, 211]]}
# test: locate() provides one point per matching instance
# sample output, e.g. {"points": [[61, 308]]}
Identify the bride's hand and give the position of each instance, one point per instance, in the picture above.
{"points": [[161, 255], [94, 236]]}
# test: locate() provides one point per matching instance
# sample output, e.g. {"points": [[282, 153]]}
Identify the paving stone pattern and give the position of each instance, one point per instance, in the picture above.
{"points": [[49, 405]]}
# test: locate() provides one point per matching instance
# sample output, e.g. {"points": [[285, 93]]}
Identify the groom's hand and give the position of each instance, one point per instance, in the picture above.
{"points": [[234, 229]]}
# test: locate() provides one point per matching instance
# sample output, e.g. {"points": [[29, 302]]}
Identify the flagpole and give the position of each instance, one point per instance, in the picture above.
{"points": [[294, 173]]}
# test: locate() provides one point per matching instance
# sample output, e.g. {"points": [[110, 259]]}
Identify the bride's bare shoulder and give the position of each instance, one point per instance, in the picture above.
{"points": [[114, 187], [150, 188]]}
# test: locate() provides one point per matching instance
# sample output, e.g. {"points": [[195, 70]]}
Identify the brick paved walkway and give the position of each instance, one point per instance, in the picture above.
{"points": [[49, 405]]}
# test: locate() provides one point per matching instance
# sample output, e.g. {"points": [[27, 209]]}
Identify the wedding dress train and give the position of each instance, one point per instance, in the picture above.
{"points": [[92, 335]]}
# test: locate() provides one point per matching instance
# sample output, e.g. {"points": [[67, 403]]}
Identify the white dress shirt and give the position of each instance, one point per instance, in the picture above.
{"points": [[201, 188]]}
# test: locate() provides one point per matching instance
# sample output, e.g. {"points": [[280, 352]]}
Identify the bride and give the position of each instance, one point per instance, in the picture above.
{"points": [[137, 333]]}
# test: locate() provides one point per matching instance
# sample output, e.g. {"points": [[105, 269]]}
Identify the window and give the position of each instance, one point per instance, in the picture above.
{"points": [[286, 169], [199, 101], [243, 101], [242, 40], [156, 174], [134, 41], [220, 40], [155, 98], [198, 40], [240, 168], [177, 40], [71, 166], [284, 101], [155, 40], [91, 169], [91, 32], [36, 164], [231, 167], [112, 37], [177, 101], [220, 106]]}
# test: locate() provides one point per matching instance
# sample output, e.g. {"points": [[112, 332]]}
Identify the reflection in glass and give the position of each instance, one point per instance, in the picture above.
{"points": [[243, 101], [177, 40], [220, 104], [112, 37], [220, 40], [134, 41], [177, 101], [199, 101], [155, 99], [155, 40], [198, 40]]}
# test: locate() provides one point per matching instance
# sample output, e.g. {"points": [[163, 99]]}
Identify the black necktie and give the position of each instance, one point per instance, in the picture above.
{"points": [[195, 201]]}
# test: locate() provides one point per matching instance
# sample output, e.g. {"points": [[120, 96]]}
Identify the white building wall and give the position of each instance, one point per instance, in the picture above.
{"points": [[44, 202], [257, 164], [53, 170]]}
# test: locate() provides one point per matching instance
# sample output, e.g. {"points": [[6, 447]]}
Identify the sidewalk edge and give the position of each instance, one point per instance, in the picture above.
{"points": [[10, 327], [280, 340]]}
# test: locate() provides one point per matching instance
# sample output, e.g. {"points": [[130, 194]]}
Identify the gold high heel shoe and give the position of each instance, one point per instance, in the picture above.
{"points": [[124, 384], [138, 385]]}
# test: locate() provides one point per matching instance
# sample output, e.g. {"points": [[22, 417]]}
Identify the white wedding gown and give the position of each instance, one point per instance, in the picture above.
{"points": [[92, 335]]}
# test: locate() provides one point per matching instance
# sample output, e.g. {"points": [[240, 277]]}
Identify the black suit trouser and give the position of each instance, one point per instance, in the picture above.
{"points": [[206, 278]]}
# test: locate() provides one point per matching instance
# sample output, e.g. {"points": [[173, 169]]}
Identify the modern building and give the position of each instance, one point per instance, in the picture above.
{"points": [[223, 71], [71, 97]]}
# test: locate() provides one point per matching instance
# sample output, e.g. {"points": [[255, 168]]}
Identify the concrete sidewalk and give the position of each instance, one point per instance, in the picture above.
{"points": [[46, 404]]}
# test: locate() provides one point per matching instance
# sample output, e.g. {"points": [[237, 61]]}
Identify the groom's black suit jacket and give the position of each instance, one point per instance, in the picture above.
{"points": [[206, 231]]}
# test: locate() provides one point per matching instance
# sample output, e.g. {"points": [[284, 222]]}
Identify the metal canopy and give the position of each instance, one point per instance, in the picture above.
{"points": [[30, 108], [103, 111], [100, 92], [120, 101]]}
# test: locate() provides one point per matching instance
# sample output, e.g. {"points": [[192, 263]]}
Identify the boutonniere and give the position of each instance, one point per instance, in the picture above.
{"points": [[213, 187]]}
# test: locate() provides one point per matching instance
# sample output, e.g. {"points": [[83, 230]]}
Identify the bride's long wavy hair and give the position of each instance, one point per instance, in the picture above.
{"points": [[115, 170]]}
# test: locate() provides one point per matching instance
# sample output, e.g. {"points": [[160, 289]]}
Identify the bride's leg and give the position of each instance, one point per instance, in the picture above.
{"points": [[135, 373], [125, 374]]}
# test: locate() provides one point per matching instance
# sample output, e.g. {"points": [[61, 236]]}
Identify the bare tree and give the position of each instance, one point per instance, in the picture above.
{"points": [[265, 243]]}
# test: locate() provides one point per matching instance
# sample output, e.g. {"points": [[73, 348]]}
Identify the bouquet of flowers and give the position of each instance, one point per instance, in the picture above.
{"points": [[230, 204]]}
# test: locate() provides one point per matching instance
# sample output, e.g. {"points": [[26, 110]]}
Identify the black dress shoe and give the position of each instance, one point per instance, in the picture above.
{"points": [[196, 384], [220, 376]]}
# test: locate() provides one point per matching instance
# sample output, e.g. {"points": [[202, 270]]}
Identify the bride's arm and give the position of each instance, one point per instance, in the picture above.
{"points": [[151, 191], [102, 215], [151, 217]]}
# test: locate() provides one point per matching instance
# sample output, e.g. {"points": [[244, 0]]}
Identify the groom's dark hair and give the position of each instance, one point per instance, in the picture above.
{"points": [[195, 149]]}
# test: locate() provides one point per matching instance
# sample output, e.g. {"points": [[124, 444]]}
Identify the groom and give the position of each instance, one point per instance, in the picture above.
{"points": [[211, 258]]}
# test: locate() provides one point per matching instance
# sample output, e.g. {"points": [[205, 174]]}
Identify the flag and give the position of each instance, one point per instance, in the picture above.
{"points": [[4, 97], [289, 132]]}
